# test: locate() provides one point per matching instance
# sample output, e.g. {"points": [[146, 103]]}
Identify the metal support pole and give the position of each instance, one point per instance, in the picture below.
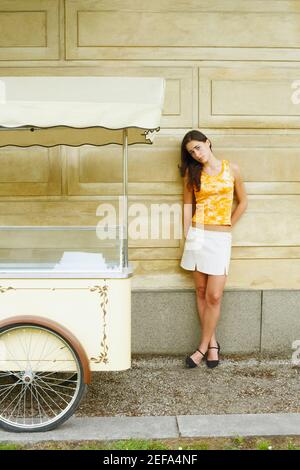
{"points": [[125, 199]]}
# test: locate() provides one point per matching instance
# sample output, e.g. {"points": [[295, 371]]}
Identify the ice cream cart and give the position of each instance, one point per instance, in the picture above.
{"points": [[65, 290]]}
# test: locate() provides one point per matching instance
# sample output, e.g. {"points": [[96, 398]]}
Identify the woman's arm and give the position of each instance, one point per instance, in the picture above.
{"points": [[241, 195], [187, 204]]}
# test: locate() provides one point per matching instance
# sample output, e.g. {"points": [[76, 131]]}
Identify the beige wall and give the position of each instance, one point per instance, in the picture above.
{"points": [[229, 66]]}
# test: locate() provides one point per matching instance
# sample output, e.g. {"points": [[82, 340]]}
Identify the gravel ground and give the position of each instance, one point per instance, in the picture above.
{"points": [[163, 386]]}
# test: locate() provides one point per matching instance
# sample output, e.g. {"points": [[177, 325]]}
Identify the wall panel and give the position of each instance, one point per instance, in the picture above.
{"points": [[168, 30], [244, 274], [29, 30], [30, 172], [256, 97]]}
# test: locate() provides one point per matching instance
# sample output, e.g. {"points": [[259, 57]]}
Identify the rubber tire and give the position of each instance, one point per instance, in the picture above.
{"points": [[81, 392]]}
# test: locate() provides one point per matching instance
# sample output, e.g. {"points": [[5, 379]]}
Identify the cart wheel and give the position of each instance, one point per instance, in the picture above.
{"points": [[41, 378]]}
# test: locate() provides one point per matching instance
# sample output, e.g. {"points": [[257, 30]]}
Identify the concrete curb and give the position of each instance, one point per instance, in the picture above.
{"points": [[277, 424], [164, 427]]}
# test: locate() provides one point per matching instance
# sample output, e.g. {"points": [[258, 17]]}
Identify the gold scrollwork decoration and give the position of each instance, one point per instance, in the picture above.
{"points": [[5, 289], [103, 291]]}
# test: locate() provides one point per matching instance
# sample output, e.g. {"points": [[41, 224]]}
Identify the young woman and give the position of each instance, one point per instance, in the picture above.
{"points": [[209, 184]]}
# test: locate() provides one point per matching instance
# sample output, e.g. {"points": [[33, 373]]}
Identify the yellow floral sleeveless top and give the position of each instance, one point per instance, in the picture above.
{"points": [[214, 200]]}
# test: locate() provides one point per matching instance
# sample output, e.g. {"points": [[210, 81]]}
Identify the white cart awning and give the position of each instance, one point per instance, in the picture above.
{"points": [[49, 110]]}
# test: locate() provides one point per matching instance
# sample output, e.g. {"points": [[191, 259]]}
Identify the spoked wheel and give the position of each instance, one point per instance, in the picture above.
{"points": [[41, 378]]}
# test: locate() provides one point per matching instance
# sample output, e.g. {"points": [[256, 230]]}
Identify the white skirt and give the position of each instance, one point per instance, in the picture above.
{"points": [[207, 251]]}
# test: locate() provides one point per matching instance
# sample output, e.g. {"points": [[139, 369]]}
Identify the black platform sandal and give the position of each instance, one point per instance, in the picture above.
{"points": [[214, 363], [189, 361]]}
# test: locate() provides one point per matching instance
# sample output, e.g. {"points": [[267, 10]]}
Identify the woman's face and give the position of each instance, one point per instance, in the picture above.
{"points": [[200, 151]]}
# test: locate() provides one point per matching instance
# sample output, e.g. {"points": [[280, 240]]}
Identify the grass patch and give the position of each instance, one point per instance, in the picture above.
{"points": [[235, 443], [239, 441], [292, 446], [8, 446], [133, 444], [264, 445]]}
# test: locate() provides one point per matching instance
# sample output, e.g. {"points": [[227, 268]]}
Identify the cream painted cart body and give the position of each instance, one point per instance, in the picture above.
{"points": [[65, 311]]}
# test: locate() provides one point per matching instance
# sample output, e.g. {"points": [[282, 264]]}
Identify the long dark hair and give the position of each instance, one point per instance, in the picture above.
{"points": [[188, 163]]}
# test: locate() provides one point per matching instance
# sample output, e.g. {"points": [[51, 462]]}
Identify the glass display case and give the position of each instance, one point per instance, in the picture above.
{"points": [[57, 251]]}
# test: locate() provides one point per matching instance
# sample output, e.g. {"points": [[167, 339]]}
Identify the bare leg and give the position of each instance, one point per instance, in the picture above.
{"points": [[200, 280], [211, 307]]}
